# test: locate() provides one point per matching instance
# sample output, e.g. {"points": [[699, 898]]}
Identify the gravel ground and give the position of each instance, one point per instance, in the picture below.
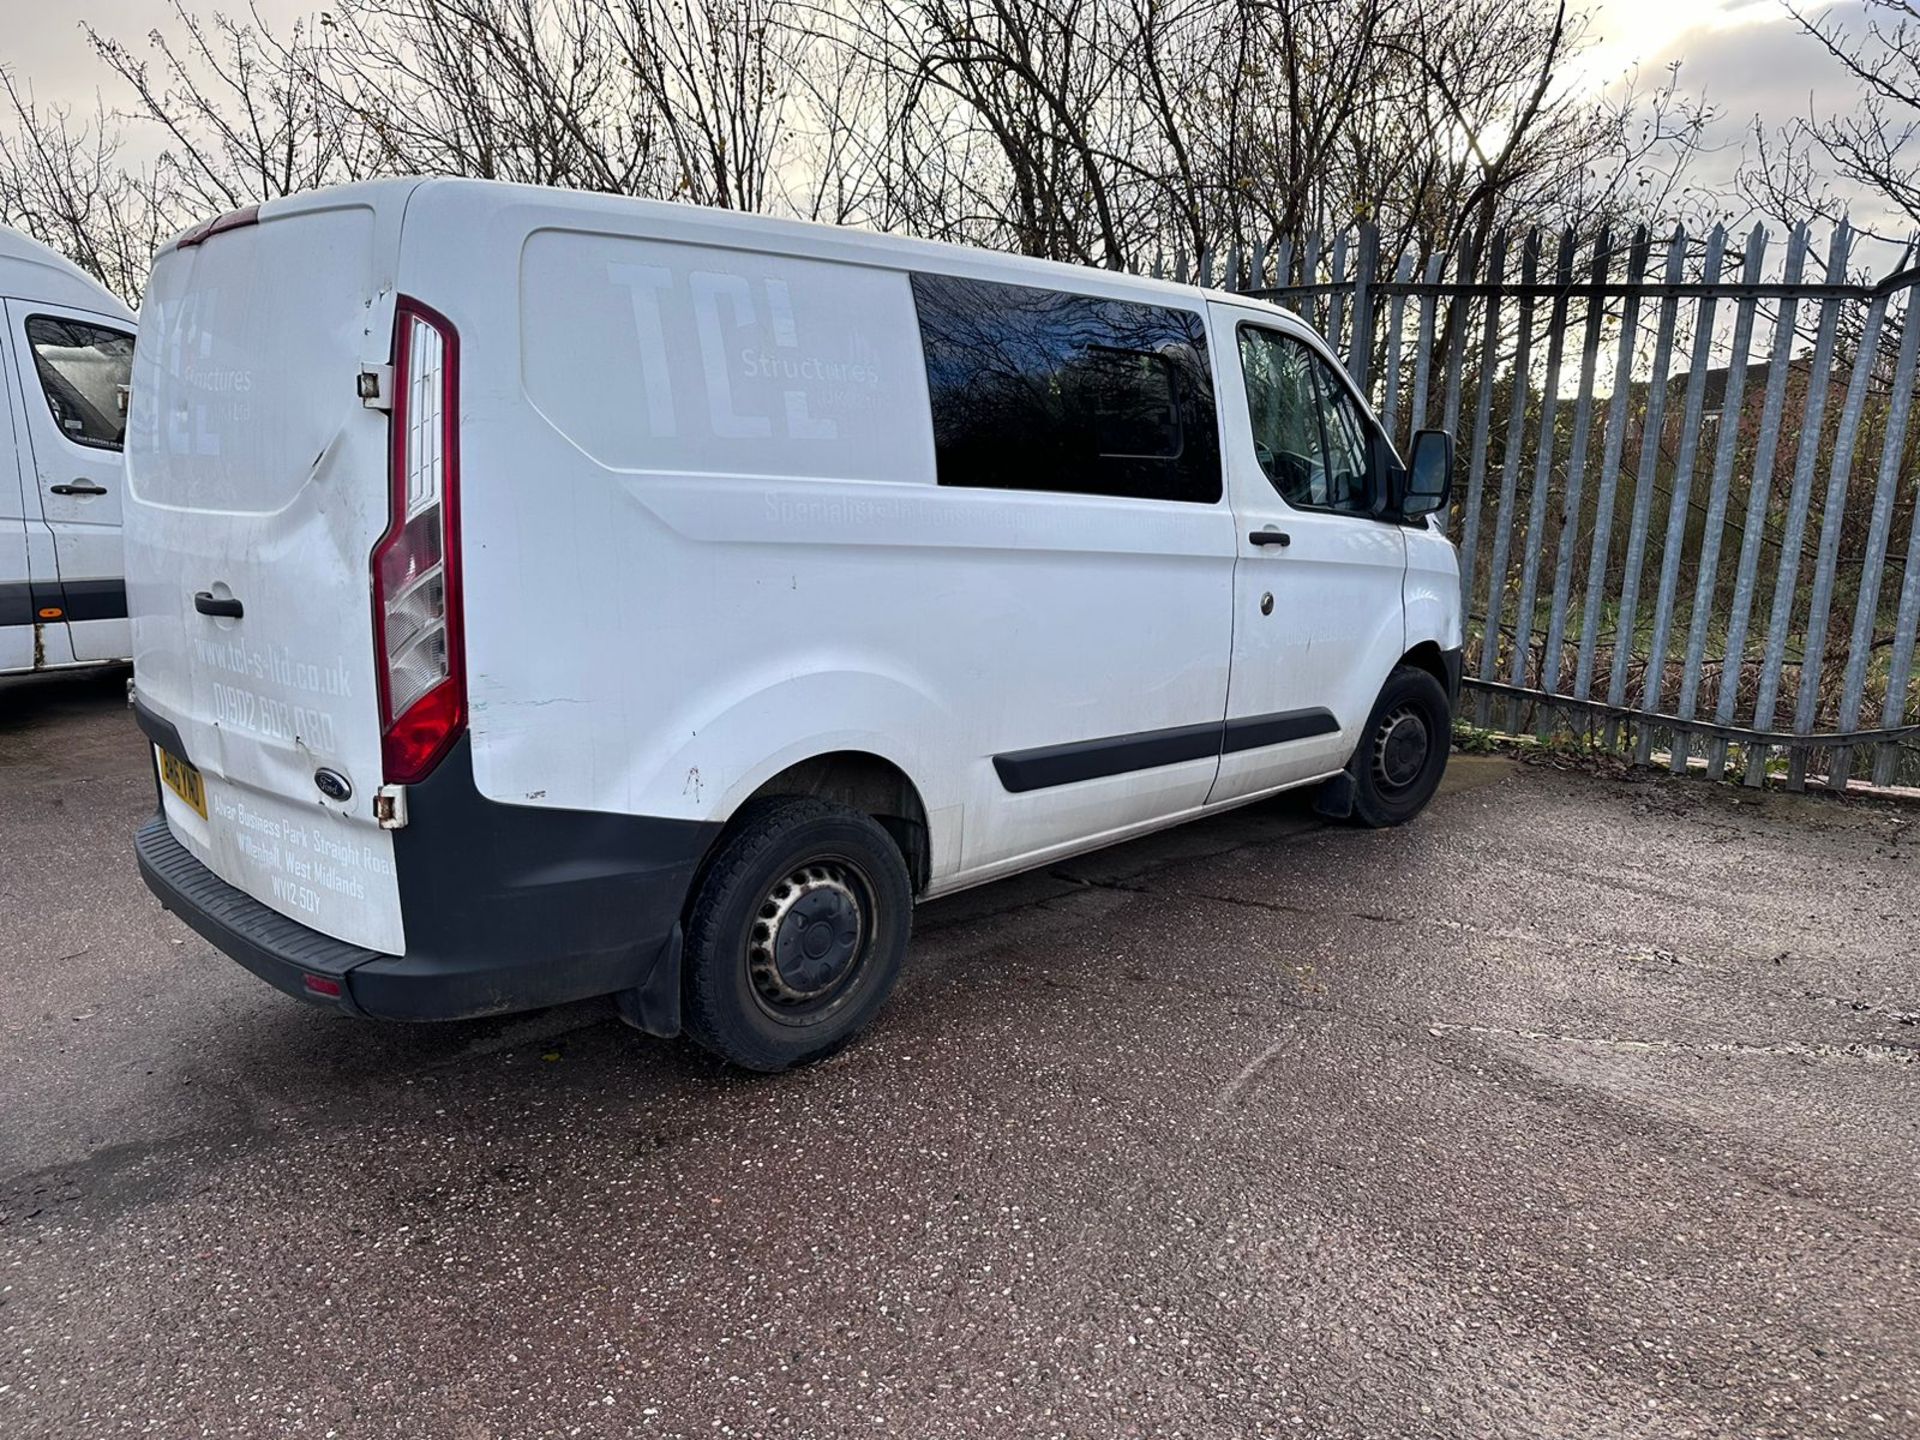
{"points": [[1578, 1108]]}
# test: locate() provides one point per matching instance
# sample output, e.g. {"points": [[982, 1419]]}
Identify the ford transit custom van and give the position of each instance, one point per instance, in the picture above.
{"points": [[541, 595], [66, 351]]}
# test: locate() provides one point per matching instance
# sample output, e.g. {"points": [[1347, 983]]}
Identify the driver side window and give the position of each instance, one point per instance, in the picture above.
{"points": [[1307, 433]]}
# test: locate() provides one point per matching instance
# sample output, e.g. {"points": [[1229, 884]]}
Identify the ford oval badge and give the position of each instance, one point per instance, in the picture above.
{"points": [[333, 784]]}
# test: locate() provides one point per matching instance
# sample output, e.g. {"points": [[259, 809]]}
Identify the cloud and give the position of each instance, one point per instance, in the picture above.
{"points": [[1767, 68]]}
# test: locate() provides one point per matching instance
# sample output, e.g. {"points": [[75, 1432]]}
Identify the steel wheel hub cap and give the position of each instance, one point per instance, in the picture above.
{"points": [[1400, 748], [807, 935]]}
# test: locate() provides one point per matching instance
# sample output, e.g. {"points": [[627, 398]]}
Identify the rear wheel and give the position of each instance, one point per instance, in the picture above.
{"points": [[797, 933], [1403, 751]]}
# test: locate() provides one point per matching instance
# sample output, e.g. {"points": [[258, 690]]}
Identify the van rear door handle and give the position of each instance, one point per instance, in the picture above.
{"points": [[1271, 537], [79, 487], [226, 607]]}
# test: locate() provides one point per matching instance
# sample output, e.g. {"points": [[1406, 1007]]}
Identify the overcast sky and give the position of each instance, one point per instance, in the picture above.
{"points": [[1745, 57]]}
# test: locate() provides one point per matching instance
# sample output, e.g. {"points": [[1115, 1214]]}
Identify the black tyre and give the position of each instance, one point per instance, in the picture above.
{"points": [[797, 933], [1403, 750]]}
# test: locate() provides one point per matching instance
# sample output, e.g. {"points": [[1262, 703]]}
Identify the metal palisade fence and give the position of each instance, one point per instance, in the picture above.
{"points": [[1685, 501]]}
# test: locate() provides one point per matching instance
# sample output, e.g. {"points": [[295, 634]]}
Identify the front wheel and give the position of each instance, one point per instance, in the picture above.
{"points": [[797, 933], [1403, 750]]}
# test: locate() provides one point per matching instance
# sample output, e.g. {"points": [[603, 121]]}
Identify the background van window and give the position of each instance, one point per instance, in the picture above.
{"points": [[83, 372]]}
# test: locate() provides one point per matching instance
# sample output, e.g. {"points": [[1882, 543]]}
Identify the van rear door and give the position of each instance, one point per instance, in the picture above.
{"points": [[257, 491]]}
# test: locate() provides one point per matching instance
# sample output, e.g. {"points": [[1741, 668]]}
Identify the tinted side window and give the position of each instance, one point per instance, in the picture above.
{"points": [[84, 371], [1041, 390], [1307, 433]]}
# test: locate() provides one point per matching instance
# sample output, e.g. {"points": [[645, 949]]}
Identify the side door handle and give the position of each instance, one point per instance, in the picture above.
{"points": [[78, 487], [226, 607], [1271, 537]]}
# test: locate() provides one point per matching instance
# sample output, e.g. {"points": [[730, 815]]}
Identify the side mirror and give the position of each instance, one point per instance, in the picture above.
{"points": [[1429, 479]]}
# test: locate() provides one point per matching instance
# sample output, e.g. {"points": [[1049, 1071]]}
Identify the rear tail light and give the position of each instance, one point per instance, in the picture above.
{"points": [[416, 565]]}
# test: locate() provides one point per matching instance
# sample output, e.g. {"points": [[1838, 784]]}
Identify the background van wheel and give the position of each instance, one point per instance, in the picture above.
{"points": [[1403, 750], [796, 935]]}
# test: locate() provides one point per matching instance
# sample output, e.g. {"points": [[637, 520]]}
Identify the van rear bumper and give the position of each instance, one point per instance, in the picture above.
{"points": [[506, 908], [415, 986]]}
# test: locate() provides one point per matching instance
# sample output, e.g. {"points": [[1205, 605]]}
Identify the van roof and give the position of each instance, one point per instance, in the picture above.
{"points": [[30, 271], [703, 224]]}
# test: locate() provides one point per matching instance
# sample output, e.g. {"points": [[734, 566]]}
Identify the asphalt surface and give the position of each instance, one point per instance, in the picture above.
{"points": [[1580, 1107]]}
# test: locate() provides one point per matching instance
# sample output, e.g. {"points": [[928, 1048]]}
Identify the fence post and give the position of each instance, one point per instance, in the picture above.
{"points": [[1482, 413], [1708, 565], [1680, 494], [1551, 658], [1542, 473], [1519, 388], [1454, 344], [1645, 480], [1396, 320], [1759, 493], [1337, 301], [1812, 422], [1606, 501], [1360, 353], [1423, 352]]}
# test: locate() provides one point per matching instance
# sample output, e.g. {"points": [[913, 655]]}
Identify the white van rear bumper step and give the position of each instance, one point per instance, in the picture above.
{"points": [[281, 951]]}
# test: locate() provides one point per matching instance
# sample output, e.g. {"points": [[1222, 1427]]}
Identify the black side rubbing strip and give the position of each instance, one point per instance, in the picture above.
{"points": [[1251, 732], [21, 603], [16, 603], [1051, 765], [1091, 759], [96, 599]]}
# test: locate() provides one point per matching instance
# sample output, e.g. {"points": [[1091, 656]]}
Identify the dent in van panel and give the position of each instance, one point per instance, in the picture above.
{"points": [[659, 356]]}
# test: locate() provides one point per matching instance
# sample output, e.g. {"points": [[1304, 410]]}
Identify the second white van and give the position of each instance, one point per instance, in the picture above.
{"points": [[540, 595], [66, 353]]}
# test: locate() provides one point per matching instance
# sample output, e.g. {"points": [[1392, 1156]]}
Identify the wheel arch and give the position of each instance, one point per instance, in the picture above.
{"points": [[870, 783], [1428, 656], [1444, 664]]}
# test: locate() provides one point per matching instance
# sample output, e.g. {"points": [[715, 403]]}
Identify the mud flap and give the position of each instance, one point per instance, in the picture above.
{"points": [[654, 1004], [1334, 799]]}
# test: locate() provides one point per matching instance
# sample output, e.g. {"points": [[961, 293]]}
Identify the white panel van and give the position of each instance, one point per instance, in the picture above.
{"points": [[66, 351], [542, 595]]}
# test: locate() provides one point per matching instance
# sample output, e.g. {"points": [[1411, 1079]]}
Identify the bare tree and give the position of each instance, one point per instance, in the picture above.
{"points": [[63, 181], [245, 112], [1101, 131], [1820, 162]]}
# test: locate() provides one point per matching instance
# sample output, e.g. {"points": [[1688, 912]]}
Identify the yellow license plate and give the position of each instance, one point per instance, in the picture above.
{"points": [[184, 781]]}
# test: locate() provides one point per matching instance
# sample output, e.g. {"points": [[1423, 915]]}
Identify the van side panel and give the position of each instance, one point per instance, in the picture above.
{"points": [[703, 540]]}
